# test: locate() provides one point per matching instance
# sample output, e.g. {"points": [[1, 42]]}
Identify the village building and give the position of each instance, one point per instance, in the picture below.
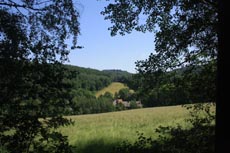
{"points": [[126, 103]]}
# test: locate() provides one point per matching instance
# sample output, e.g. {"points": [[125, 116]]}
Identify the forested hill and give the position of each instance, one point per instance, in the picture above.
{"points": [[94, 80], [118, 75]]}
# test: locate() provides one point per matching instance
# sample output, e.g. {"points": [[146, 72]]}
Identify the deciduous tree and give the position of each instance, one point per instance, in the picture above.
{"points": [[185, 35], [34, 93]]}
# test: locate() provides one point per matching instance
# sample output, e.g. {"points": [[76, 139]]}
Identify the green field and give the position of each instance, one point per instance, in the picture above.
{"points": [[112, 88], [100, 132]]}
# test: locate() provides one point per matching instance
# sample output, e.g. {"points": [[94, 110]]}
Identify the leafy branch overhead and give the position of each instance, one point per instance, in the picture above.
{"points": [[47, 25], [185, 30]]}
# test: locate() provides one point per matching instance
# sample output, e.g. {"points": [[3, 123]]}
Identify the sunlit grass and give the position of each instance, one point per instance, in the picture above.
{"points": [[112, 88], [102, 131]]}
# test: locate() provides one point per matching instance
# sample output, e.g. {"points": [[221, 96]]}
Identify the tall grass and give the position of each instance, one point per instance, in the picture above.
{"points": [[100, 132]]}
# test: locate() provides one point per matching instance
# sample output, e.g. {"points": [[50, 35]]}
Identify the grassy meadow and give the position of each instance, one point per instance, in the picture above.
{"points": [[98, 133], [112, 88]]}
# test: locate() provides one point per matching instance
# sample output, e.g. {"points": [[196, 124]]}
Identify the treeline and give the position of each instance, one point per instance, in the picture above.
{"points": [[85, 82], [85, 102], [94, 80], [193, 84], [118, 75], [180, 86]]}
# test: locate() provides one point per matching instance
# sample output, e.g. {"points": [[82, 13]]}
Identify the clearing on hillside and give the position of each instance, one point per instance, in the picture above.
{"points": [[112, 88]]}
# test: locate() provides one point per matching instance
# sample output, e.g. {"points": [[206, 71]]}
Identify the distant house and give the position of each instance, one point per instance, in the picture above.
{"points": [[117, 101], [139, 104], [126, 103]]}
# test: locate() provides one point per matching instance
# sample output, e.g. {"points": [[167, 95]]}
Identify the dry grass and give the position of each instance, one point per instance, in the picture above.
{"points": [[112, 88]]}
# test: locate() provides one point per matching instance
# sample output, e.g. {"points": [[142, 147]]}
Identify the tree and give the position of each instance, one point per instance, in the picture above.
{"points": [[186, 37], [186, 31], [124, 94], [185, 34], [33, 88]]}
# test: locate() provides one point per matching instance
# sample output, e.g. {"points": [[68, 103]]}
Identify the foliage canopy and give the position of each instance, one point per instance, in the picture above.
{"points": [[185, 38], [34, 93], [186, 31]]}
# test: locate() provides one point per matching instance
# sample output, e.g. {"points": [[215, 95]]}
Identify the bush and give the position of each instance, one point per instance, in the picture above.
{"points": [[133, 105], [3, 149]]}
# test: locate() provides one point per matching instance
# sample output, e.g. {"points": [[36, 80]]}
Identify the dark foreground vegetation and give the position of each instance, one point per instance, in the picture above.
{"points": [[186, 40]]}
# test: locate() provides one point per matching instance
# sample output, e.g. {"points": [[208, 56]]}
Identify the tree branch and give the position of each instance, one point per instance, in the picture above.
{"points": [[21, 6], [39, 3]]}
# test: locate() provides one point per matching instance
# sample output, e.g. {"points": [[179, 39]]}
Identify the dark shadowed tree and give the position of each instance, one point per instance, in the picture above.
{"points": [[186, 31], [185, 36], [33, 88]]}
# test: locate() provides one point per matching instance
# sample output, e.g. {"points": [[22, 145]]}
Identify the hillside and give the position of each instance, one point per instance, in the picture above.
{"points": [[112, 88], [100, 132], [118, 75], [94, 80]]}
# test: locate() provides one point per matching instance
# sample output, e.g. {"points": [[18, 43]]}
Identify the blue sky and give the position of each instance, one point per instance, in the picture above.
{"points": [[101, 51]]}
